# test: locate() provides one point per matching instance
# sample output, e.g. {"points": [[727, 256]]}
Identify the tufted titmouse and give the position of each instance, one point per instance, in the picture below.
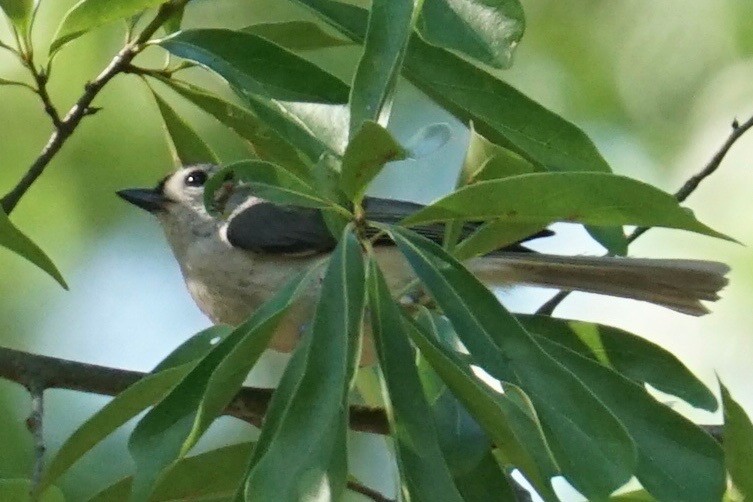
{"points": [[232, 265]]}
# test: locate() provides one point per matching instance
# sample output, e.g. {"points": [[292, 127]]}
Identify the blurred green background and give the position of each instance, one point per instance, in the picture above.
{"points": [[655, 84]]}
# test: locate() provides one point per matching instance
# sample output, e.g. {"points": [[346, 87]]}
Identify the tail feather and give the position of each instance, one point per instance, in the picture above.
{"points": [[676, 284]]}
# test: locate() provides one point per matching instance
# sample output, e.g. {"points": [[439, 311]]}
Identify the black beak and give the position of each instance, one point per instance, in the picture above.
{"points": [[146, 198]]}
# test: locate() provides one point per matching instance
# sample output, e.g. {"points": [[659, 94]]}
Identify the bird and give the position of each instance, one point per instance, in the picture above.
{"points": [[232, 264]]}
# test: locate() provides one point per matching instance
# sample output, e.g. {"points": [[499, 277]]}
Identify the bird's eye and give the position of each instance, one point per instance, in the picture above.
{"points": [[196, 178]]}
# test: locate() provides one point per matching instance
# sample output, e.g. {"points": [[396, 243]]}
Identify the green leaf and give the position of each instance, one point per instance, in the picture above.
{"points": [[465, 446], [314, 128], [422, 466], [494, 235], [592, 198], [498, 111], [428, 140], [270, 182], [172, 427], [486, 161], [389, 29], [367, 153], [211, 476], [173, 23], [677, 460], [12, 238], [297, 35], [632, 356], [19, 490], [255, 65], [267, 144], [307, 434], [508, 418], [738, 444], [634, 496], [326, 175], [485, 30], [186, 146], [132, 401], [589, 444], [19, 12], [89, 14]]}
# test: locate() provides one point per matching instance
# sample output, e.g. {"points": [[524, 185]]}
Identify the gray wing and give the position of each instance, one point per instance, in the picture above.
{"points": [[264, 227]]}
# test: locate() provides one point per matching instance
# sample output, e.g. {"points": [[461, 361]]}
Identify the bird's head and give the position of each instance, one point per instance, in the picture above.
{"points": [[178, 203]]}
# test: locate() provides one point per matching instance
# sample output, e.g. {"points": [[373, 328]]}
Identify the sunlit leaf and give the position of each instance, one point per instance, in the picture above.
{"points": [[212, 476], [170, 429], [738, 444], [424, 471], [634, 496], [186, 146], [485, 30], [132, 401], [12, 238], [389, 29], [270, 182], [314, 419], [255, 65], [89, 14], [19, 12], [589, 444], [630, 355], [486, 161], [592, 198], [267, 144], [510, 422], [368, 151], [297, 35], [677, 460], [19, 490]]}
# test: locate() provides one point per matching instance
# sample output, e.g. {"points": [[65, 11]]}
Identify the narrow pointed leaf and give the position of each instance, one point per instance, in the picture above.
{"points": [[297, 35], [313, 421], [267, 144], [169, 429], [677, 460], [186, 146], [89, 14], [257, 66], [423, 469], [465, 446], [486, 161], [268, 181], [738, 444], [19, 12], [591, 198], [485, 30], [13, 239], [211, 476], [511, 424], [494, 235], [132, 401], [590, 445], [389, 29], [367, 153], [632, 356]]}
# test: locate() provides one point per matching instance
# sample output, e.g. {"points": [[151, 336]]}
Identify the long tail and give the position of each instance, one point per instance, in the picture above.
{"points": [[676, 284]]}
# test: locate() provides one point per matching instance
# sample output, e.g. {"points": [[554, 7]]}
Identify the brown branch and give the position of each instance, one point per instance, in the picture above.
{"points": [[690, 186], [82, 107], [367, 492], [35, 424], [46, 372]]}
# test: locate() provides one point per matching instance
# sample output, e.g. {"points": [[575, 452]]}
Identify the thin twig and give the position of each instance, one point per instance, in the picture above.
{"points": [[82, 107], [367, 492], [690, 186], [35, 424]]}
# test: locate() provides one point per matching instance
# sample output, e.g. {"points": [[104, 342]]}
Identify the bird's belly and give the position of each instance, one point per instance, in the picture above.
{"points": [[229, 289]]}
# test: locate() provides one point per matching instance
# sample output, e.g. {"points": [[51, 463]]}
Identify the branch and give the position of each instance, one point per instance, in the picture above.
{"points": [[690, 186], [249, 405], [82, 107]]}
